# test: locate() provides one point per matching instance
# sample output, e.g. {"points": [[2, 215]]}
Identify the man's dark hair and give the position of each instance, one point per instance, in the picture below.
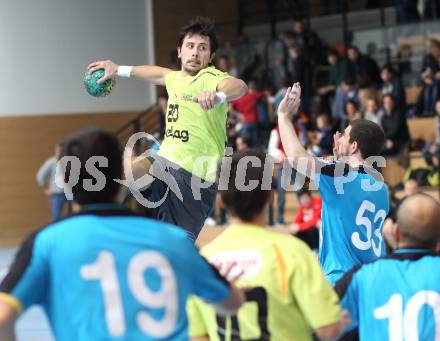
{"points": [[369, 137], [202, 26], [245, 205], [94, 142]]}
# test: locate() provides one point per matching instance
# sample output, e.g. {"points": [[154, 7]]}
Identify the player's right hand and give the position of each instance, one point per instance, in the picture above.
{"points": [[291, 101], [110, 69]]}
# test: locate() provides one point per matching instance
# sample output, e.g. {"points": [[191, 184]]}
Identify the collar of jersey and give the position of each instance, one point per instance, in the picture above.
{"points": [[99, 207], [406, 250], [245, 225]]}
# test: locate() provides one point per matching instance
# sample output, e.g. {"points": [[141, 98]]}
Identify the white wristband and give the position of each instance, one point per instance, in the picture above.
{"points": [[124, 71], [221, 96]]}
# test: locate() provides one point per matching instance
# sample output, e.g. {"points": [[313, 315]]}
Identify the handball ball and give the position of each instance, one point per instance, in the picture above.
{"points": [[95, 89]]}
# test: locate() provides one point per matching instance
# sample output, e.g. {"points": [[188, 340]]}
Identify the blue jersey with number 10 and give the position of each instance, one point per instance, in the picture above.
{"points": [[355, 204], [107, 274]]}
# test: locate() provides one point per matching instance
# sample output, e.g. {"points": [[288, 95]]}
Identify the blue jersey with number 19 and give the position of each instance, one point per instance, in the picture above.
{"points": [[354, 206], [107, 274]]}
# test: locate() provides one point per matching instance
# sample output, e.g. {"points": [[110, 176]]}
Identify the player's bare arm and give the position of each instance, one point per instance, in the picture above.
{"points": [[8, 315], [228, 90], [294, 150], [151, 73]]}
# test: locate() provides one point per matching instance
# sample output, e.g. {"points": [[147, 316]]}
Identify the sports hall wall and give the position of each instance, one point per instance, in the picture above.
{"points": [[46, 46]]}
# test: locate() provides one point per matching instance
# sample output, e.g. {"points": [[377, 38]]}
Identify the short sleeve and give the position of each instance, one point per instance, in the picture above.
{"points": [[212, 77], [316, 299], [208, 284], [169, 80], [196, 324], [27, 278]]}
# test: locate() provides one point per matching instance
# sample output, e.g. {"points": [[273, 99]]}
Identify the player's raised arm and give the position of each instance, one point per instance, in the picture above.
{"points": [[151, 73], [294, 150], [233, 88], [228, 90]]}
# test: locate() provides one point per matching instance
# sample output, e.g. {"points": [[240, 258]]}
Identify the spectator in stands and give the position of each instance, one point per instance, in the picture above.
{"points": [[308, 219], [47, 181], [347, 91], [406, 11], [242, 142], [224, 64], [338, 68], [352, 111], [366, 73], [373, 113], [431, 151], [430, 78], [309, 41], [299, 70], [246, 107], [364, 68], [323, 141], [392, 85], [395, 128]]}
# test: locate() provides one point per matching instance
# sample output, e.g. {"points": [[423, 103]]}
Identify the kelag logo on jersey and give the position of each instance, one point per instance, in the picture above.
{"points": [[177, 134]]}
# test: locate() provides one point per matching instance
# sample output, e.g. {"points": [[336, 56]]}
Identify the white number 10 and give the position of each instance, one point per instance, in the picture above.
{"points": [[403, 323], [104, 270]]}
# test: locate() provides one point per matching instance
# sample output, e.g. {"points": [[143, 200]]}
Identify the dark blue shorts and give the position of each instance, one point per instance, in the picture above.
{"points": [[185, 204]]}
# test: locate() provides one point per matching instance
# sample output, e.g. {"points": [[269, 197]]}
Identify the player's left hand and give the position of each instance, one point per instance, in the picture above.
{"points": [[207, 100]]}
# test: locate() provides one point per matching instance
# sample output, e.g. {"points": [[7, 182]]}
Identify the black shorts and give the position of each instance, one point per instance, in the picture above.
{"points": [[185, 203]]}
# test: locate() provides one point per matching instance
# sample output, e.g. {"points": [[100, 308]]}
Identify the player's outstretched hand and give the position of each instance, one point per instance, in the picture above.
{"points": [[336, 138], [110, 69], [291, 101], [207, 100]]}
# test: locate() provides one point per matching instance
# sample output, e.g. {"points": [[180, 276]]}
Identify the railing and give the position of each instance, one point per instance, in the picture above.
{"points": [[147, 120]]}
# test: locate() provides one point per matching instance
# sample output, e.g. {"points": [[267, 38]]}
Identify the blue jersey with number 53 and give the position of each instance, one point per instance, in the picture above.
{"points": [[354, 206], [106, 274]]}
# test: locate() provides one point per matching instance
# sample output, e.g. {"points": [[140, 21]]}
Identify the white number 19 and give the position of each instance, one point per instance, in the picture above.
{"points": [[104, 270]]}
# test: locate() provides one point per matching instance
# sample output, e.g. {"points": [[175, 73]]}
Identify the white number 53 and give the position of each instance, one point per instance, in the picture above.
{"points": [[362, 220]]}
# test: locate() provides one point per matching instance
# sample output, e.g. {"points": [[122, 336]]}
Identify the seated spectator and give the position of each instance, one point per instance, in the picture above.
{"points": [[345, 92], [392, 85], [431, 152], [246, 107], [373, 112], [308, 219], [322, 143], [224, 64], [364, 68], [309, 41], [338, 68], [352, 111], [242, 142], [395, 128], [366, 73], [299, 70], [430, 76]]}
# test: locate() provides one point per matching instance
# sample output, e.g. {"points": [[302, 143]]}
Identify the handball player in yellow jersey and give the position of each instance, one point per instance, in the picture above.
{"points": [[195, 135]]}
